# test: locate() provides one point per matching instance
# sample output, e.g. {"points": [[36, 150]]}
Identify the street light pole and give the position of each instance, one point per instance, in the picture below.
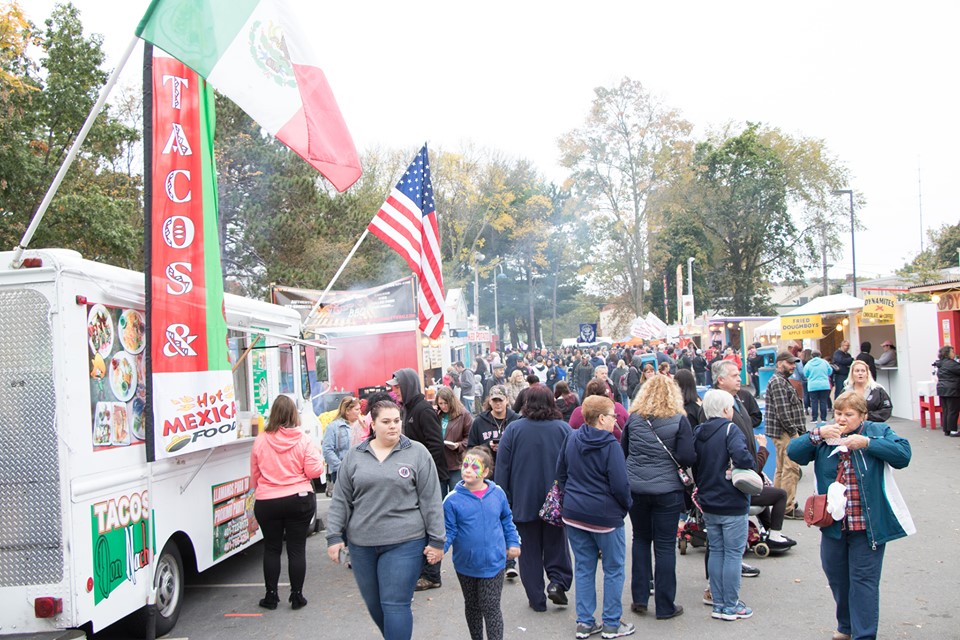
{"points": [[853, 236], [496, 304]]}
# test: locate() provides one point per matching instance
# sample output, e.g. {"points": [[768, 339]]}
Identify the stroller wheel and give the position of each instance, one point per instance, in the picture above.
{"points": [[761, 549], [682, 546]]}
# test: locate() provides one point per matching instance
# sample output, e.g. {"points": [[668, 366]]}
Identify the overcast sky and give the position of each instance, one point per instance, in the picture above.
{"points": [[875, 80]]}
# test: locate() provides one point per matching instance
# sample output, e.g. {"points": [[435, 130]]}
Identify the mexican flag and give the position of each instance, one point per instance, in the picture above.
{"points": [[258, 54]]}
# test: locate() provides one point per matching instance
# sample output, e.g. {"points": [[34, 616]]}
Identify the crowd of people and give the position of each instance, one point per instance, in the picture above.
{"points": [[412, 479]]}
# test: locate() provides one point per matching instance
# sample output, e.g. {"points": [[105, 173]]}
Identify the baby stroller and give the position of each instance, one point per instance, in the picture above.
{"points": [[693, 531]]}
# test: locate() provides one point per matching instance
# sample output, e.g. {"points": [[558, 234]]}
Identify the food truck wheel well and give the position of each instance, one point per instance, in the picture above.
{"points": [[171, 573]]}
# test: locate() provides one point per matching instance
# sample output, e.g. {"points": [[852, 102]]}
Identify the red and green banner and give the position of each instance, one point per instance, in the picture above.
{"points": [[191, 382]]}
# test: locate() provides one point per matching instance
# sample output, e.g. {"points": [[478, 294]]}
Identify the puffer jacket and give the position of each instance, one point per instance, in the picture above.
{"points": [[948, 378]]}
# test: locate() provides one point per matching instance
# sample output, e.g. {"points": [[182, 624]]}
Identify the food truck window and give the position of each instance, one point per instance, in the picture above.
{"points": [[238, 344], [307, 369], [285, 352]]}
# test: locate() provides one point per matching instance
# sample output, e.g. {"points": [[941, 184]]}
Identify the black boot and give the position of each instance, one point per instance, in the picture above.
{"points": [[271, 600], [297, 601]]}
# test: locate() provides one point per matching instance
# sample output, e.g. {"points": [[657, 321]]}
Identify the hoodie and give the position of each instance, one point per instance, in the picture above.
{"points": [[283, 462], [718, 441], [592, 472], [479, 529], [420, 421]]}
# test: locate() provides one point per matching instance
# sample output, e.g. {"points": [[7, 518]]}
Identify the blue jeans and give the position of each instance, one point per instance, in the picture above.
{"points": [[386, 577], [455, 477], [853, 571], [654, 519], [818, 404], [586, 545], [727, 537]]}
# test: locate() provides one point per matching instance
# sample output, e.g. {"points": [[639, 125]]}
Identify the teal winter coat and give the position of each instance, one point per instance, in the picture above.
{"points": [[886, 513], [818, 373]]}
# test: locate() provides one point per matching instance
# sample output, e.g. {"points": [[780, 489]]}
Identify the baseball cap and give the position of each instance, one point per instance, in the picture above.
{"points": [[886, 343], [498, 391], [393, 382], [786, 356]]}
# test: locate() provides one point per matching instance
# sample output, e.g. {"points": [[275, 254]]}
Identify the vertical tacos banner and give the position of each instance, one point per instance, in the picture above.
{"points": [[191, 384]]}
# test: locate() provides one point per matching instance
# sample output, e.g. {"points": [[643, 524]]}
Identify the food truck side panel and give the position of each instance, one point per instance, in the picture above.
{"points": [[92, 524]]}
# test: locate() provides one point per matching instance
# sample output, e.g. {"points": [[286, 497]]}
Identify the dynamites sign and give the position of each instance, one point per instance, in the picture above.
{"points": [[192, 386]]}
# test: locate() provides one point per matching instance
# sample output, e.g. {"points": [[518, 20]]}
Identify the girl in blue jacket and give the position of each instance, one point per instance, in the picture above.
{"points": [[480, 529]]}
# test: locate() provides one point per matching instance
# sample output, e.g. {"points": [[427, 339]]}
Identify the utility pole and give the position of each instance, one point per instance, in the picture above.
{"points": [[823, 251]]}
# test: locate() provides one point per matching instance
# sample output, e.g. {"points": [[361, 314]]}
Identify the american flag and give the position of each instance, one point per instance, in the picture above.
{"points": [[407, 222]]}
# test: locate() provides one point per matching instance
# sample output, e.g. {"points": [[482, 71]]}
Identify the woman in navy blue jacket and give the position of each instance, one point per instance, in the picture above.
{"points": [[526, 468], [592, 472], [718, 442]]}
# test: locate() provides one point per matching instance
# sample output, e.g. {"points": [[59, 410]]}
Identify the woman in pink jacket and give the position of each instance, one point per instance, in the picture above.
{"points": [[282, 463]]}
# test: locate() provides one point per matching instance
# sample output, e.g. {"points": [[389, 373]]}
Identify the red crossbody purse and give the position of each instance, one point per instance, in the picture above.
{"points": [[815, 512]]}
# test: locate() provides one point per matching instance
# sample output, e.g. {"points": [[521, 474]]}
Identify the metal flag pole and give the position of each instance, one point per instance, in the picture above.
{"points": [[316, 306], [71, 156]]}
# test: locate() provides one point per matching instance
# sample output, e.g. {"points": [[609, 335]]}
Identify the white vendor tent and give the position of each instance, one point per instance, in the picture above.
{"points": [[769, 330], [837, 303]]}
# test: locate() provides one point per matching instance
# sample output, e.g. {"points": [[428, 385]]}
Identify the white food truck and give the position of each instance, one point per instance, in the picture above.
{"points": [[76, 491]]}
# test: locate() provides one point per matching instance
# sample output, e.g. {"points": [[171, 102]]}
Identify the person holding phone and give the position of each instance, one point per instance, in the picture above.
{"points": [[455, 423]]}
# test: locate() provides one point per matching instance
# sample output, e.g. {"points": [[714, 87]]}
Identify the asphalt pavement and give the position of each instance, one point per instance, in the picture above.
{"points": [[790, 598]]}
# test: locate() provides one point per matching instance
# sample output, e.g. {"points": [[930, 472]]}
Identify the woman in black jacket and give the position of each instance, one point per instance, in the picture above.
{"points": [[948, 388]]}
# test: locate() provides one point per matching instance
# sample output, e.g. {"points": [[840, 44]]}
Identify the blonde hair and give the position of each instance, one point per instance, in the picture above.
{"points": [[346, 403], [848, 383], [659, 397], [517, 376]]}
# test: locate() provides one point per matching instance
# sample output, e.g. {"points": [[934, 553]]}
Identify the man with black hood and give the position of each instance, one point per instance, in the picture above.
{"points": [[421, 423]]}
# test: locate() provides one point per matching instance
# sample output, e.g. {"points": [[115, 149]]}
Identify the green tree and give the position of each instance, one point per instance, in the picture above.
{"points": [[97, 210], [630, 147], [940, 253], [740, 194]]}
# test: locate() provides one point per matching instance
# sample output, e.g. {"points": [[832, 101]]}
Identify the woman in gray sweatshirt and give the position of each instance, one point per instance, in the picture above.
{"points": [[387, 504]]}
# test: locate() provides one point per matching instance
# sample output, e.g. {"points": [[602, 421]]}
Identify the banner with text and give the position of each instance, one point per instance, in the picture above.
{"points": [[800, 327], [878, 309], [192, 385]]}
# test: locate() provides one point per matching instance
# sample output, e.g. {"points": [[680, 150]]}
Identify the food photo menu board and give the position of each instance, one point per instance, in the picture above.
{"points": [[116, 339]]}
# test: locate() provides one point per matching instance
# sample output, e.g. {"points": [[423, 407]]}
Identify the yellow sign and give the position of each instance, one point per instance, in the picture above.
{"points": [[800, 327], [878, 309]]}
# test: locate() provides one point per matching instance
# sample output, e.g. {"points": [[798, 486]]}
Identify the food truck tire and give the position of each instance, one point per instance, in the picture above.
{"points": [[170, 589]]}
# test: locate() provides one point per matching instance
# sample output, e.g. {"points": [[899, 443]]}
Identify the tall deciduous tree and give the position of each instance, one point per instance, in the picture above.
{"points": [[97, 211], [740, 194], [629, 148]]}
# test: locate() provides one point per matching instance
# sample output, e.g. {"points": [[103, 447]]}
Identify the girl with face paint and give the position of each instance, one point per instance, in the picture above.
{"points": [[479, 526]]}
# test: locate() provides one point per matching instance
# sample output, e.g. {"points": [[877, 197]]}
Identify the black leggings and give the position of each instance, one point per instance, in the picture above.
{"points": [[481, 601], [288, 516]]}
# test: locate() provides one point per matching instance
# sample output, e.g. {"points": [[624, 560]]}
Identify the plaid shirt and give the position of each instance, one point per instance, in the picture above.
{"points": [[785, 414], [854, 518]]}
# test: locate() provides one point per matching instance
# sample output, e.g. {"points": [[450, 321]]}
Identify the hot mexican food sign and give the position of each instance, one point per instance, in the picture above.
{"points": [[192, 384]]}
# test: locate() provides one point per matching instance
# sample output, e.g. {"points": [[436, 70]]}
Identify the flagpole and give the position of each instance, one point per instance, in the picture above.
{"points": [[323, 295], [71, 156]]}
